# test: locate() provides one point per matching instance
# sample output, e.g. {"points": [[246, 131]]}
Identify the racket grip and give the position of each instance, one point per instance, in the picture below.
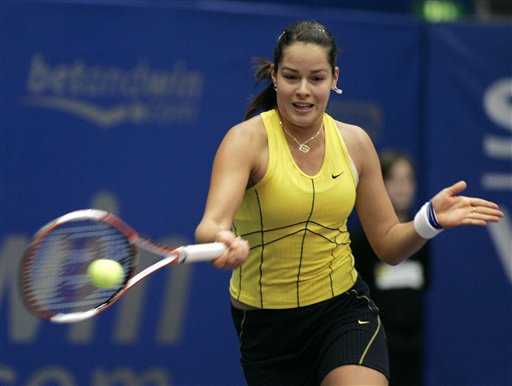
{"points": [[201, 252]]}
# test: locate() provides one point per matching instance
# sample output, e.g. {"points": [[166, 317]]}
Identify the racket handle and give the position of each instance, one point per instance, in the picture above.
{"points": [[201, 252]]}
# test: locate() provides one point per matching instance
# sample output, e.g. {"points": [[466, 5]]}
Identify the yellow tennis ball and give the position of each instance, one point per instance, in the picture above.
{"points": [[105, 273]]}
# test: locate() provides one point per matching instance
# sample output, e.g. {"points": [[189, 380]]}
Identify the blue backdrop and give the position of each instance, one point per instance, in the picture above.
{"points": [[469, 122], [122, 108]]}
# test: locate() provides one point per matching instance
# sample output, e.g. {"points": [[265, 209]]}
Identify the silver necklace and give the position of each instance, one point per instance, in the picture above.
{"points": [[302, 146]]}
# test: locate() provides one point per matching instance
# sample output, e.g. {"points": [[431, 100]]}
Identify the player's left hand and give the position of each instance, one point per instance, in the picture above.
{"points": [[453, 210]]}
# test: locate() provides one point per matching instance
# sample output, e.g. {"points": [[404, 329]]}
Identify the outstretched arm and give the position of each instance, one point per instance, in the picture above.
{"points": [[393, 241]]}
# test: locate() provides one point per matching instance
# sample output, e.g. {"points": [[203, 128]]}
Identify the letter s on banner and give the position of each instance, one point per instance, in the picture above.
{"points": [[498, 103]]}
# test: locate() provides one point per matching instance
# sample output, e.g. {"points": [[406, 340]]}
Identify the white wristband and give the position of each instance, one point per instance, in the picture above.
{"points": [[422, 225]]}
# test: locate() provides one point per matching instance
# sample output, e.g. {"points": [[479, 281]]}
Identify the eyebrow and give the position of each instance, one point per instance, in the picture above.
{"points": [[314, 71]]}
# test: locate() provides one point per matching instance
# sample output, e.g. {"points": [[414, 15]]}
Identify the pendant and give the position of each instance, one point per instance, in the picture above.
{"points": [[304, 148]]}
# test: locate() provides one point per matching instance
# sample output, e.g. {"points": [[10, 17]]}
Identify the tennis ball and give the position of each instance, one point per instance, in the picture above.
{"points": [[105, 273]]}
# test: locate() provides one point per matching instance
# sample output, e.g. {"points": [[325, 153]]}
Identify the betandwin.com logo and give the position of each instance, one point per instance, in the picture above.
{"points": [[108, 96]]}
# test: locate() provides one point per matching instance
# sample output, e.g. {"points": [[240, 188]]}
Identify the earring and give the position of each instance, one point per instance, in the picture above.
{"points": [[275, 87], [337, 90]]}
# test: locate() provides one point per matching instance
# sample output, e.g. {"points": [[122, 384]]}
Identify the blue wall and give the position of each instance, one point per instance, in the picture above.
{"points": [[122, 108]]}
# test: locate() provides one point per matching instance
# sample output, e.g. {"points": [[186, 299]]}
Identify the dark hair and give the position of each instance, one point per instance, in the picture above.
{"points": [[301, 31], [389, 158]]}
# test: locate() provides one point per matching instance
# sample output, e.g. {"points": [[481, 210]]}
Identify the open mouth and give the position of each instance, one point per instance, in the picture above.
{"points": [[303, 106]]}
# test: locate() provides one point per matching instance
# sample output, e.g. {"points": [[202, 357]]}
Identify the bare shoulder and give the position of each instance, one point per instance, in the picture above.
{"points": [[352, 135], [358, 142], [249, 132], [245, 146]]}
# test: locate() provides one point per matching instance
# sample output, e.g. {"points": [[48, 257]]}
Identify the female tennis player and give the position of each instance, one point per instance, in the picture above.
{"points": [[284, 182]]}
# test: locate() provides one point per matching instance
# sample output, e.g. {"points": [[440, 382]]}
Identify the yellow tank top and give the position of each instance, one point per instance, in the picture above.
{"points": [[296, 226]]}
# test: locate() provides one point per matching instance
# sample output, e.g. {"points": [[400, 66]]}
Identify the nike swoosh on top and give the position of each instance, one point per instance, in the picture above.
{"points": [[336, 175]]}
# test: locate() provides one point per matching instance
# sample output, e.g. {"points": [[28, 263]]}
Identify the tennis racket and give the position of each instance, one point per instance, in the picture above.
{"points": [[54, 281]]}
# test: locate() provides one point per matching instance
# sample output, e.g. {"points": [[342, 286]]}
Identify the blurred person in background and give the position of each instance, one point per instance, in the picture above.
{"points": [[398, 290]]}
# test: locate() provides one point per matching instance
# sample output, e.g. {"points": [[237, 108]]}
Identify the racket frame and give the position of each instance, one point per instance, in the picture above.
{"points": [[183, 254]]}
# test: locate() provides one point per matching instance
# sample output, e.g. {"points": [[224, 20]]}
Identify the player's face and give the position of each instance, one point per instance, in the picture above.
{"points": [[401, 185], [304, 82]]}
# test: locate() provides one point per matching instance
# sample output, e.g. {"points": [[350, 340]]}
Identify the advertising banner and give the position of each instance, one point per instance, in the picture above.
{"points": [[121, 108], [470, 137]]}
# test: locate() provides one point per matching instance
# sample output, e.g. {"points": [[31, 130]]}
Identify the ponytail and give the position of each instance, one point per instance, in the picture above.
{"points": [[265, 100]]}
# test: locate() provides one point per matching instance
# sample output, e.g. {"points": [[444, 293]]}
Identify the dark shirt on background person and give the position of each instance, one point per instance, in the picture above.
{"points": [[397, 290]]}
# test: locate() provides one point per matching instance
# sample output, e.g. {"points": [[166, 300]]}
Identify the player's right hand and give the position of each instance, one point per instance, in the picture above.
{"points": [[237, 250]]}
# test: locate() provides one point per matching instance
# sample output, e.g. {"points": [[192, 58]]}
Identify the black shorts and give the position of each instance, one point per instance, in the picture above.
{"points": [[300, 346]]}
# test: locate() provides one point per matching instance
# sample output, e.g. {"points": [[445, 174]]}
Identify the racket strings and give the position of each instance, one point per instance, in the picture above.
{"points": [[55, 278]]}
